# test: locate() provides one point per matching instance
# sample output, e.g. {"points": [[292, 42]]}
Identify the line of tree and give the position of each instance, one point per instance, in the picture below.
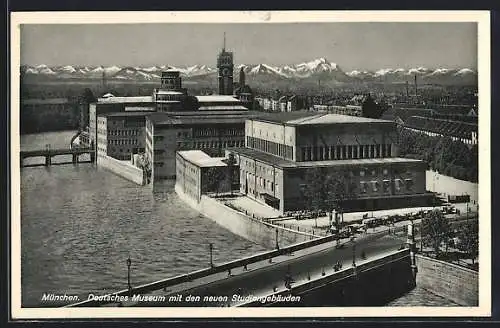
{"points": [[447, 156], [436, 232], [324, 191]]}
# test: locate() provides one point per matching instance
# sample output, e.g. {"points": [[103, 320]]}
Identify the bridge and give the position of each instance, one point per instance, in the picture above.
{"points": [[49, 153], [312, 268]]}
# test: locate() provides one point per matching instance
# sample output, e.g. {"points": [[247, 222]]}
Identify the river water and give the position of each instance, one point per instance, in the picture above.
{"points": [[79, 224]]}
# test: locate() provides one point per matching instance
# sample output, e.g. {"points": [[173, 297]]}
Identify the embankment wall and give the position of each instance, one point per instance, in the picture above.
{"points": [[453, 282], [121, 168], [239, 223], [373, 283]]}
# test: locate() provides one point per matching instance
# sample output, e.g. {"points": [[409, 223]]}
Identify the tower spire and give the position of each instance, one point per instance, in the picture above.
{"points": [[224, 46]]}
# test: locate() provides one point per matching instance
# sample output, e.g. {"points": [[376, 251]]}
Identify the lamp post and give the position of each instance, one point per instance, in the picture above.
{"points": [[353, 251], [129, 263], [277, 244], [211, 247]]}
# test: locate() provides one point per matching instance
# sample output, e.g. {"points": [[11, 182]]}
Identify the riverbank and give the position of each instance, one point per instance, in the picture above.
{"points": [[125, 169], [246, 226]]}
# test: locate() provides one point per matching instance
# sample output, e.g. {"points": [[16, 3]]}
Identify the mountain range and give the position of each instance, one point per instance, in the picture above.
{"points": [[315, 70]]}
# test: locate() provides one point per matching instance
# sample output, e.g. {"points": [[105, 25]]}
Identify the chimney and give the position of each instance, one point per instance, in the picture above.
{"points": [[416, 88]]}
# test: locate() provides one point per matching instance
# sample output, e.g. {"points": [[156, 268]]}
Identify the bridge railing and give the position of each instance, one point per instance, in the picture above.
{"points": [[338, 276], [161, 284]]}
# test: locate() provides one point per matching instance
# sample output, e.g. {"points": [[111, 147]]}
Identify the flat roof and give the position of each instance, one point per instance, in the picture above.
{"points": [[196, 118], [139, 109], [48, 101], [283, 163], [311, 118], [222, 107], [120, 100], [168, 92], [217, 98], [126, 114], [201, 159]]}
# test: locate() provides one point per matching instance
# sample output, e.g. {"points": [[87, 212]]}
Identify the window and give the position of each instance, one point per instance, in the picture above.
{"points": [[272, 186], [375, 186], [386, 185], [397, 184], [386, 171], [409, 184], [363, 186], [362, 173]]}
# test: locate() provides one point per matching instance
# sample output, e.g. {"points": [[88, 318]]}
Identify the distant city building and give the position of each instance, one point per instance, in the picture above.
{"points": [[225, 70], [281, 149], [456, 130]]}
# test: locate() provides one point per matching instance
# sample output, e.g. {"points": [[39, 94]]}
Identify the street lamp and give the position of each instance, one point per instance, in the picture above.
{"points": [[277, 244], [129, 263], [211, 247], [353, 251]]}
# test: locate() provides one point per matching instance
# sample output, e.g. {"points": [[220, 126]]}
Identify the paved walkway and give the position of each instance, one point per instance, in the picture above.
{"points": [[252, 206]]}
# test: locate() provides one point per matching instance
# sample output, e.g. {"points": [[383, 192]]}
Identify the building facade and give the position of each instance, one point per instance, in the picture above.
{"points": [[211, 133], [284, 151], [197, 173], [115, 105], [120, 135]]}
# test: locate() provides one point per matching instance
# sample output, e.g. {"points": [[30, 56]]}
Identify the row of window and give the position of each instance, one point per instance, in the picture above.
{"points": [[210, 144], [386, 185], [124, 133], [271, 147], [168, 97], [213, 132], [259, 168], [126, 150], [123, 142], [345, 152], [260, 181]]}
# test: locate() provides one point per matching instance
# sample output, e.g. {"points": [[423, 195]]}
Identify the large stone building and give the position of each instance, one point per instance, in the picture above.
{"points": [[209, 132], [120, 135], [198, 173], [171, 120], [283, 150]]}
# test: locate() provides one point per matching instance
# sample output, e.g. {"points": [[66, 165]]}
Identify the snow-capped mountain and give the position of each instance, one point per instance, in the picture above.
{"points": [[315, 69]]}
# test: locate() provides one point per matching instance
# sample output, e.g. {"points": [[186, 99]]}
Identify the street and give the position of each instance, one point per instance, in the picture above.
{"points": [[262, 280]]}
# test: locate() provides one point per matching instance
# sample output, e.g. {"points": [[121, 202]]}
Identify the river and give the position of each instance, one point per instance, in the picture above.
{"points": [[79, 224]]}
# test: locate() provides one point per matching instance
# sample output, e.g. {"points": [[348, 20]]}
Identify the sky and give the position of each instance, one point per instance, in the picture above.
{"points": [[352, 46]]}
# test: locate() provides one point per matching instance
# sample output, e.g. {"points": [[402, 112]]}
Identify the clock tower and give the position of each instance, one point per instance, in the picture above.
{"points": [[225, 67]]}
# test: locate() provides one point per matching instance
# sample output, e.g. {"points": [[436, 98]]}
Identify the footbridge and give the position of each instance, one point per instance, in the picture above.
{"points": [[48, 153]]}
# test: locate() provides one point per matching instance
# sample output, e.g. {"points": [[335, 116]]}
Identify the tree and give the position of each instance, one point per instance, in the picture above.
{"points": [[468, 239], [314, 189], [436, 229], [326, 191], [87, 97], [231, 162], [372, 109], [214, 178]]}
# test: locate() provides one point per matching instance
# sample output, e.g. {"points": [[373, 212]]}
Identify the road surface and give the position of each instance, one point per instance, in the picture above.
{"points": [[263, 278]]}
